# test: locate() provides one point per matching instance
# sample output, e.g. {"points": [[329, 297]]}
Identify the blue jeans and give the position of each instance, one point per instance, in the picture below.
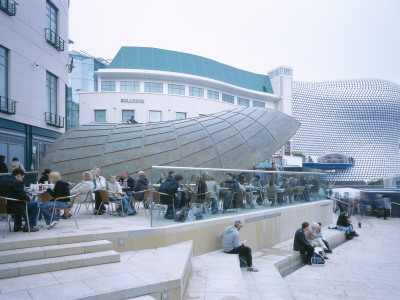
{"points": [[348, 229], [326, 243], [128, 205], [44, 208], [227, 201]]}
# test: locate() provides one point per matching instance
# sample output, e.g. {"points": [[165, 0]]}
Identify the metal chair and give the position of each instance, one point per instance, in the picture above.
{"points": [[299, 193], [202, 204], [87, 202], [271, 194], [146, 198], [156, 203], [3, 210], [66, 210], [104, 194]]}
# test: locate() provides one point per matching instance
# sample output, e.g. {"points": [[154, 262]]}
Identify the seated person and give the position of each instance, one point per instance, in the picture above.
{"points": [[301, 244], [170, 187], [11, 186], [312, 237], [272, 191], [198, 195], [83, 188], [141, 184], [45, 176], [321, 236], [162, 178], [127, 183], [314, 182], [344, 224], [242, 195], [232, 188], [256, 188], [288, 189], [114, 193], [61, 189], [213, 188], [99, 183], [231, 244]]}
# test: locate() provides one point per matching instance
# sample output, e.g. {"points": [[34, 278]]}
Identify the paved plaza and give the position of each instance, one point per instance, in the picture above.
{"points": [[367, 267]]}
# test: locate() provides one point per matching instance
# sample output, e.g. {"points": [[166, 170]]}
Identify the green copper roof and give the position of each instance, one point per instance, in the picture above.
{"points": [[172, 61]]}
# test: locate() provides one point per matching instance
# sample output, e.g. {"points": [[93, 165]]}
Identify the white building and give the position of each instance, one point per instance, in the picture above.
{"points": [[155, 85], [33, 77]]}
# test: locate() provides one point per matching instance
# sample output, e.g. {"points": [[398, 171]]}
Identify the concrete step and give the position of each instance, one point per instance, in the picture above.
{"points": [[24, 254], [57, 263]]}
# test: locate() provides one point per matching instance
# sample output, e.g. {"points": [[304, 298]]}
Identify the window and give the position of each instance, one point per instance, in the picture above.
{"points": [[212, 95], [100, 115], [130, 86], [51, 93], [154, 116], [153, 87], [258, 103], [176, 89], [243, 102], [108, 86], [51, 16], [127, 115], [180, 116], [3, 72], [196, 92], [228, 98]]}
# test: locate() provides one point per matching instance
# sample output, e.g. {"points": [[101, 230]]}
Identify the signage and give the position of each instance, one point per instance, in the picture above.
{"points": [[132, 100]]}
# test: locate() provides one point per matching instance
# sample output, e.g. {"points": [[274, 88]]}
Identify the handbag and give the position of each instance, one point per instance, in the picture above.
{"points": [[317, 260]]}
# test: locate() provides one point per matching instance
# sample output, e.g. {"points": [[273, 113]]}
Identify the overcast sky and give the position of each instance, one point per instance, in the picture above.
{"points": [[319, 39]]}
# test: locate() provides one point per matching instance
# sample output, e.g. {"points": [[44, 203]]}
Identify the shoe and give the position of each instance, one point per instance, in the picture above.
{"points": [[17, 228], [64, 216], [252, 269], [132, 213], [326, 257], [359, 224], [308, 263], [54, 223], [33, 229], [328, 251], [355, 234], [349, 237]]}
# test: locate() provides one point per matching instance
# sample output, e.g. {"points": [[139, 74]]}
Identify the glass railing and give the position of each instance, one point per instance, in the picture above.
{"points": [[204, 193], [9, 7]]}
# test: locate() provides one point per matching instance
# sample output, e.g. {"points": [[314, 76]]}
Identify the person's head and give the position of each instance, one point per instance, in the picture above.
{"points": [[162, 176], [2, 157], [87, 176], [291, 179], [257, 176], [271, 182], [54, 177], [314, 226], [171, 173], [141, 174], [229, 176], [242, 179], [273, 165], [19, 174], [320, 225], [344, 213], [46, 172], [205, 176], [178, 178], [195, 178], [238, 225], [124, 175], [96, 172], [112, 178], [15, 159], [212, 177], [305, 225]]}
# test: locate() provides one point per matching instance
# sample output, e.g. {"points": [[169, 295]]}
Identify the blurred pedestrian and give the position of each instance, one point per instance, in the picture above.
{"points": [[3, 166]]}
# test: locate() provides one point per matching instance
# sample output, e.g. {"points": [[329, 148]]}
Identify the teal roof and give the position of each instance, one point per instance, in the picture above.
{"points": [[172, 61]]}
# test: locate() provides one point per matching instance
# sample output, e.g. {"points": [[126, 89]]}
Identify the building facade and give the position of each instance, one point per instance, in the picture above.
{"points": [[33, 77], [152, 85], [358, 117]]}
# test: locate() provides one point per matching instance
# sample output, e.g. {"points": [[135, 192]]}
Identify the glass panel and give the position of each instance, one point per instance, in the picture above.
{"points": [[176, 89], [51, 93], [243, 102], [196, 92], [230, 192], [228, 98], [154, 116], [100, 115], [3, 72], [108, 86], [180, 116], [51, 16], [258, 103], [212, 95], [129, 86], [127, 115], [153, 87]]}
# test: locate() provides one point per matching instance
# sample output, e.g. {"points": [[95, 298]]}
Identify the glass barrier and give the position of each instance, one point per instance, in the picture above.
{"points": [[190, 194]]}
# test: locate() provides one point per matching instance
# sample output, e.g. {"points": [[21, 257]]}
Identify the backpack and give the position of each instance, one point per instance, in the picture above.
{"points": [[317, 260]]}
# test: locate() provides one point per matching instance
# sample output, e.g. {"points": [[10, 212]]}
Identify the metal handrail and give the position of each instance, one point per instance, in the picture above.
{"points": [[54, 120], [332, 198], [9, 7], [54, 39], [7, 105]]}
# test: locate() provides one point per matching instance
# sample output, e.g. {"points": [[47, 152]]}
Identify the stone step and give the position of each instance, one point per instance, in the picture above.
{"points": [[57, 263], [24, 254]]}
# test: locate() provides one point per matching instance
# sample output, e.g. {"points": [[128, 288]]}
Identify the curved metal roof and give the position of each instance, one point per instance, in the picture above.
{"points": [[236, 139], [172, 61]]}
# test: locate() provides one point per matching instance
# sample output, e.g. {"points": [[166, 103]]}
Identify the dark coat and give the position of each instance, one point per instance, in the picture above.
{"points": [[342, 221], [3, 167], [130, 182], [232, 186], [141, 184], [10, 187], [201, 188], [61, 189], [43, 179], [170, 187], [300, 242]]}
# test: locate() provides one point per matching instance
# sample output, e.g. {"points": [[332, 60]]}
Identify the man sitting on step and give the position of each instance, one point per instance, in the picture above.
{"points": [[231, 244], [301, 244]]}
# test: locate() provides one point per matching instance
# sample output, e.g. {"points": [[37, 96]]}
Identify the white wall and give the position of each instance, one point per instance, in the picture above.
{"points": [[24, 36]]}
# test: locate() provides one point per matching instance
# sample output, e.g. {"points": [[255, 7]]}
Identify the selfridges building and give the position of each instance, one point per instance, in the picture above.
{"points": [[359, 117]]}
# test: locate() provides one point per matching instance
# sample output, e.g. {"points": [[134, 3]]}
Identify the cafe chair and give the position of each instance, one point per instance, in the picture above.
{"points": [[3, 210], [157, 202], [86, 203], [105, 199], [66, 210], [299, 193], [145, 201], [200, 203]]}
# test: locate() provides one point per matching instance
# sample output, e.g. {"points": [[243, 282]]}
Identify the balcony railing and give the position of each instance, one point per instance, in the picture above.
{"points": [[54, 40], [9, 7], [54, 120], [8, 106]]}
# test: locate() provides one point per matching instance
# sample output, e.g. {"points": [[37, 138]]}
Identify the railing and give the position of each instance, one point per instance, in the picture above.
{"points": [[9, 7], [8, 106], [54, 40], [54, 120]]}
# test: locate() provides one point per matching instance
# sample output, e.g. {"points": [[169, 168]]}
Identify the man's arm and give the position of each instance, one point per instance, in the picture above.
{"points": [[19, 192]]}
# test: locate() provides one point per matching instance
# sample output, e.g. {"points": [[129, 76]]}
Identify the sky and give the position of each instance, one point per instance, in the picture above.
{"points": [[319, 39]]}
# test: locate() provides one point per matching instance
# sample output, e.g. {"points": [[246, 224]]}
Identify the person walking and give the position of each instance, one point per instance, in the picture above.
{"points": [[15, 164], [3, 166]]}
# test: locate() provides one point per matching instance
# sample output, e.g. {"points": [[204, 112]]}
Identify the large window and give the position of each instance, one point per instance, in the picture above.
{"points": [[243, 102], [228, 98], [130, 86], [108, 86], [153, 87], [212, 95], [51, 16], [3, 72], [258, 103], [127, 115], [100, 115], [154, 116], [176, 89], [180, 116], [51, 93], [196, 92]]}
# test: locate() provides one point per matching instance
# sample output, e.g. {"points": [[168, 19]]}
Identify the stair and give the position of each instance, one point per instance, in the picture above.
{"points": [[27, 261]]}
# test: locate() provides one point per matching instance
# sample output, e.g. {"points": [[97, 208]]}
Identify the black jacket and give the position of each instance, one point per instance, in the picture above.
{"points": [[300, 242], [141, 184], [169, 186], [130, 182], [342, 221], [43, 179], [3, 167], [232, 186], [61, 189], [10, 187]]}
